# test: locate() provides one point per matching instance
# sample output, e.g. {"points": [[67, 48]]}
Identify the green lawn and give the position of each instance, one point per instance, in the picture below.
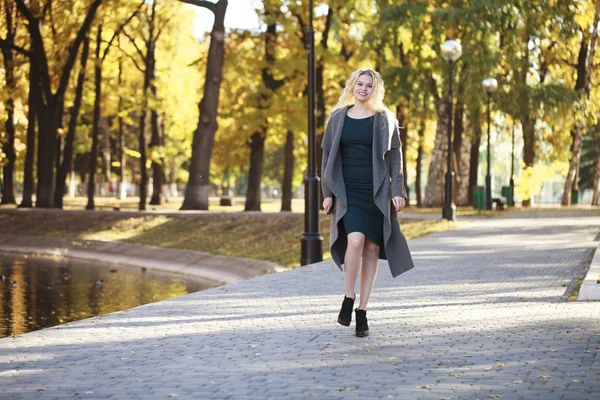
{"points": [[268, 236]]}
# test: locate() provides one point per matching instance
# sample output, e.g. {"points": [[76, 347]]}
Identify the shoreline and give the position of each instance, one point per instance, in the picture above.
{"points": [[221, 270]]}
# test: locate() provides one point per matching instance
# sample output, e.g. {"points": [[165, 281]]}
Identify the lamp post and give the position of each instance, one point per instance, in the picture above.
{"points": [[312, 241], [511, 182], [489, 85], [451, 52]]}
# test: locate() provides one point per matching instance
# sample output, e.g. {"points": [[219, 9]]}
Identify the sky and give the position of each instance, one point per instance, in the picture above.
{"points": [[241, 14]]}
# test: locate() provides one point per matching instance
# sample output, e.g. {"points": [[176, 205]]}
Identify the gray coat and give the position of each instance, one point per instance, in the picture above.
{"points": [[388, 182]]}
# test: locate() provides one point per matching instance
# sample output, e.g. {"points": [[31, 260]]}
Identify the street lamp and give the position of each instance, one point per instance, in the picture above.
{"points": [[489, 85], [312, 241], [511, 182], [451, 52]]}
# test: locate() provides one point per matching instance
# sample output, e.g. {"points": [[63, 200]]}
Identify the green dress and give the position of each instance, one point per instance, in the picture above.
{"points": [[357, 166]]}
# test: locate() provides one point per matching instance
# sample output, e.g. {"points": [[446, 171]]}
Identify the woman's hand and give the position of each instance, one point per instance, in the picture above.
{"points": [[327, 204], [399, 203]]}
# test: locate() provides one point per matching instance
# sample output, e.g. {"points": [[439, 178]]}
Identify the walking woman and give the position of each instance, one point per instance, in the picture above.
{"points": [[363, 188]]}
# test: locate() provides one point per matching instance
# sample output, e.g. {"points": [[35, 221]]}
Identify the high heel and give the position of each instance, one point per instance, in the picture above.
{"points": [[362, 328], [345, 316]]}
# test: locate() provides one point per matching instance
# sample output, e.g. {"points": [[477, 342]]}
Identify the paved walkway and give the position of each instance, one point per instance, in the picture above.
{"points": [[483, 315]]}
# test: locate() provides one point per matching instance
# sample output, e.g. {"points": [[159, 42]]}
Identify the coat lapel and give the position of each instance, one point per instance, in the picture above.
{"points": [[333, 176]]}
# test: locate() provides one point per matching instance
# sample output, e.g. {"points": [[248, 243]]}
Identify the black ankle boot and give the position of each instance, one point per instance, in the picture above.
{"points": [[345, 316], [362, 328]]}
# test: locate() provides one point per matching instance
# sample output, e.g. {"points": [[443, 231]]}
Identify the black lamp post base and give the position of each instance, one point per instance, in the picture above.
{"points": [[488, 192], [449, 209], [449, 212], [311, 248], [511, 184]]}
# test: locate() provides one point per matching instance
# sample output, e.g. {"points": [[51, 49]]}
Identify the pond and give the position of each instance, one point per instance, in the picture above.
{"points": [[37, 293]]}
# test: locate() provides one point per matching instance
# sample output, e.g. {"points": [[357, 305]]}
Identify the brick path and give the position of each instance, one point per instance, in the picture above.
{"points": [[483, 315]]}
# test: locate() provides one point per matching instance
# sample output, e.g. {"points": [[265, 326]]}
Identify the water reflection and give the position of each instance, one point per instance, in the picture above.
{"points": [[38, 293]]}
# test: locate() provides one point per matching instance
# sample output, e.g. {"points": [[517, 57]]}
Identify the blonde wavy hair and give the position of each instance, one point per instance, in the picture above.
{"points": [[376, 100]]}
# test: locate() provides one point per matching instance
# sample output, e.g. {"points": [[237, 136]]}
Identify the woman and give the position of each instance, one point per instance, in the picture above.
{"points": [[363, 188]]}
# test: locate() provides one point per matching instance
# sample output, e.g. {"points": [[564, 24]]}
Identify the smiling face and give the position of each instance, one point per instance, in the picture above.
{"points": [[363, 88]]}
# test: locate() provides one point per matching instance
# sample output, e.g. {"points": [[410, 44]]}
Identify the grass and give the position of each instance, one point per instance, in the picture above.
{"points": [[273, 237], [132, 204], [575, 292]]}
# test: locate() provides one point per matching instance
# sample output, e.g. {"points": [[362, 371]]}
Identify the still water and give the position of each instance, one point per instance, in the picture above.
{"points": [[37, 293]]}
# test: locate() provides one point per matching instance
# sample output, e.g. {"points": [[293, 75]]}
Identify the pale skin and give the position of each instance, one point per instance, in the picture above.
{"points": [[359, 247]]}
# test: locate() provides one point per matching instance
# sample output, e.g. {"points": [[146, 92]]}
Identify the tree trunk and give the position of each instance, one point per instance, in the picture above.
{"points": [[258, 139], [196, 191], [461, 153], [96, 123], [584, 98], [67, 161], [143, 157], [257, 158], [142, 143], [158, 173], [475, 124], [434, 192], [46, 154], [149, 75], [596, 183], [419, 165], [320, 92], [8, 171], [288, 172], [460, 150], [463, 159], [32, 116], [402, 115], [106, 151], [156, 139], [121, 134]]}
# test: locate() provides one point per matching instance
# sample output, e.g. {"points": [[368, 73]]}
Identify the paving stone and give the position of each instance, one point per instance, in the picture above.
{"points": [[483, 313]]}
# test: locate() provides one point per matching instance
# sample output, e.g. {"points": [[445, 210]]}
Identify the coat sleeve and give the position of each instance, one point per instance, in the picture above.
{"points": [[395, 165], [326, 146]]}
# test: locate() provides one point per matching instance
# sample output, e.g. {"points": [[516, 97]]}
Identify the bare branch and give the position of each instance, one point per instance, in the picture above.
{"points": [[132, 58], [328, 20], [302, 31], [132, 40], [48, 8], [202, 3], [433, 89], [74, 49], [161, 27], [121, 28], [25, 11], [7, 45]]}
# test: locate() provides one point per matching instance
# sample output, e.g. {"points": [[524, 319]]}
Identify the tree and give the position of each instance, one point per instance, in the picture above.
{"points": [[52, 100], [269, 86], [583, 89], [8, 170], [99, 61], [67, 161], [196, 192]]}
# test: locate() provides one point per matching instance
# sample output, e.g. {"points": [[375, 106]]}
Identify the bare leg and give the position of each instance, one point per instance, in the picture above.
{"points": [[352, 261], [368, 274]]}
